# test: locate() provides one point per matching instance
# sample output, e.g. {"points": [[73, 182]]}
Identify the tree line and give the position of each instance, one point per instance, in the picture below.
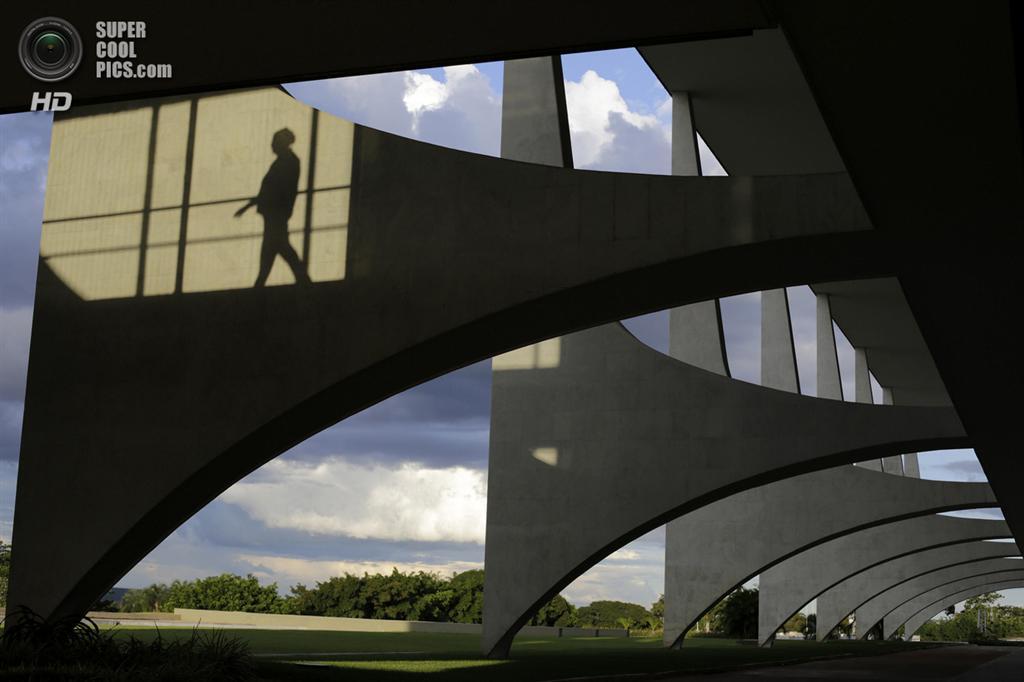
{"points": [[979, 620], [733, 616], [5, 570], [406, 596], [397, 596], [420, 596]]}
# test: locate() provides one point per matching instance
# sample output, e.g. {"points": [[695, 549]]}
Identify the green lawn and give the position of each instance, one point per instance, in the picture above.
{"points": [[419, 656]]}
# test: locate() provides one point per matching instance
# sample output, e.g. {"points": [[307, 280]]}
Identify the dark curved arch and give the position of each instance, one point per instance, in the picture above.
{"points": [[954, 597], [559, 521], [860, 593], [785, 588], [190, 385], [501, 647], [731, 531], [946, 577], [415, 366]]}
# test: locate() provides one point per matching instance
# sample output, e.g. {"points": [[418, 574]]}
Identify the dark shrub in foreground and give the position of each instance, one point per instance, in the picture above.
{"points": [[72, 649]]}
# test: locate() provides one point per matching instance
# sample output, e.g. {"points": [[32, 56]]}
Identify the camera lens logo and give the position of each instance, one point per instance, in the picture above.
{"points": [[50, 49]]}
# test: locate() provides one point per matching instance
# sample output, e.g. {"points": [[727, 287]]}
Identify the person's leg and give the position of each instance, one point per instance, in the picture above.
{"points": [[267, 252], [293, 260]]}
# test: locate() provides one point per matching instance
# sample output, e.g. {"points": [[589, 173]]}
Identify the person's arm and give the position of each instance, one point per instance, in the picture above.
{"points": [[250, 204]]}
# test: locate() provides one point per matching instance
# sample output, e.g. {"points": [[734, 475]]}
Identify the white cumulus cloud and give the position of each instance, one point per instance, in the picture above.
{"points": [[423, 93], [633, 573], [609, 135], [596, 108], [462, 111], [289, 570], [337, 497]]}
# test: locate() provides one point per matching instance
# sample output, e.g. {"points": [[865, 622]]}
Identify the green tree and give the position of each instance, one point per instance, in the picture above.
{"points": [[796, 623], [982, 601], [611, 614], [811, 626], [226, 592], [152, 598], [435, 606], [845, 628], [339, 596], [468, 597], [557, 613], [738, 617], [709, 623], [874, 632], [397, 596], [658, 610], [5, 571], [1001, 622]]}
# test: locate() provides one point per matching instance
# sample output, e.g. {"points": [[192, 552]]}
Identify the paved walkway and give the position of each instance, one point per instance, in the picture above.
{"points": [[955, 663]]}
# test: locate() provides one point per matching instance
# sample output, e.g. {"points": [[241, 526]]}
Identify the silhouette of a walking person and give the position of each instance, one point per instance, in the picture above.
{"points": [[275, 203]]}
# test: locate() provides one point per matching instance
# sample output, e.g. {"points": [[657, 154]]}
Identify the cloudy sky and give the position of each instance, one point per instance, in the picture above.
{"points": [[404, 483]]}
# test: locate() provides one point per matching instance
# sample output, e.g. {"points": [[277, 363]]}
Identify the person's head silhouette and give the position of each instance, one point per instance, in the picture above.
{"points": [[282, 140]]}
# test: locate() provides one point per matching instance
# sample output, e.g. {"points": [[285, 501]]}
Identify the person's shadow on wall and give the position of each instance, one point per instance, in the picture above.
{"points": [[275, 203]]}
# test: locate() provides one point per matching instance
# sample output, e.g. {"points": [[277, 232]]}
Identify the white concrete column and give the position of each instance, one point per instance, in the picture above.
{"points": [[778, 356], [534, 121], [695, 336], [685, 154], [861, 377], [695, 331], [830, 384], [892, 465], [862, 394], [910, 465]]}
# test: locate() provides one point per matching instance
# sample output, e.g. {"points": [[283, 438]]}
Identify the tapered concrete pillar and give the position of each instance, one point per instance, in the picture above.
{"points": [[778, 354], [893, 465], [927, 613], [865, 592], [685, 154], [908, 462], [695, 331], [892, 598], [778, 357], [830, 383], [862, 377], [696, 336], [534, 129], [534, 122], [862, 394], [945, 594], [791, 584]]}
